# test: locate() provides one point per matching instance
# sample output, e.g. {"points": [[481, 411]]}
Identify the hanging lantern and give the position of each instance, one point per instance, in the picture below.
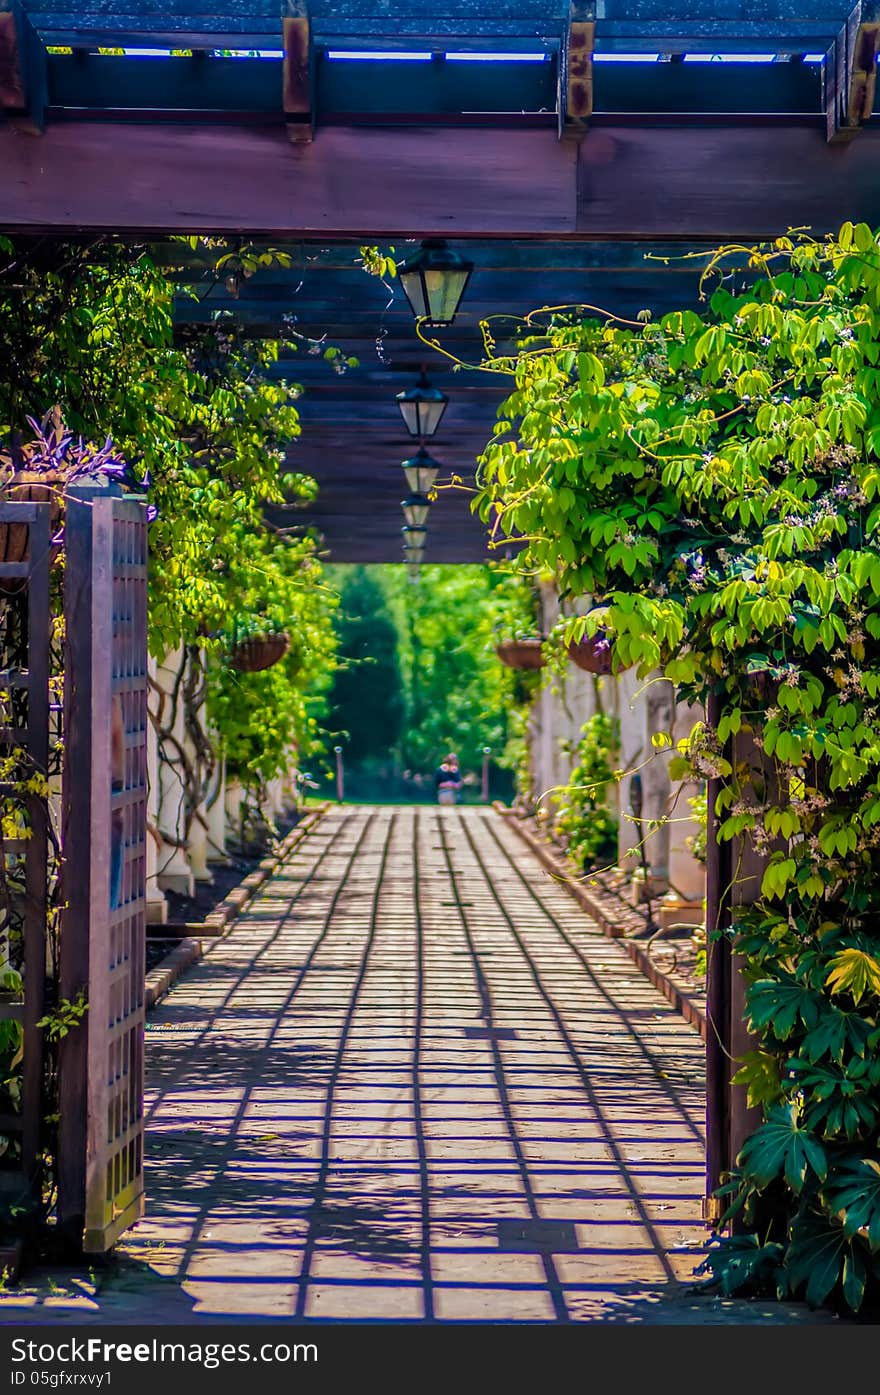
{"points": [[414, 536], [416, 508], [421, 470], [422, 407], [434, 281]]}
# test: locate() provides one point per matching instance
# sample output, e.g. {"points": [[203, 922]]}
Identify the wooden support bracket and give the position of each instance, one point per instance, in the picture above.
{"points": [[574, 105], [22, 70], [850, 73], [298, 92]]}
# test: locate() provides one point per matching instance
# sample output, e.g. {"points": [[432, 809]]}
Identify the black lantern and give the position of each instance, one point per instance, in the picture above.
{"points": [[434, 281], [416, 508], [422, 407], [414, 536], [421, 470]]}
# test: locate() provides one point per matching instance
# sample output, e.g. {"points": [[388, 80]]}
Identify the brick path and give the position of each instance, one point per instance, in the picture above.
{"points": [[415, 1083]]}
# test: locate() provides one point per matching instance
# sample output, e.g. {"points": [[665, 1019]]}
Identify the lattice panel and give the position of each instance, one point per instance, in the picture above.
{"points": [[123, 1164], [103, 944]]}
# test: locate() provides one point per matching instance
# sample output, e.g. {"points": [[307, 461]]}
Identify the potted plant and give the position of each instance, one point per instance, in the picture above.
{"points": [[42, 469], [256, 646], [594, 653], [522, 651]]}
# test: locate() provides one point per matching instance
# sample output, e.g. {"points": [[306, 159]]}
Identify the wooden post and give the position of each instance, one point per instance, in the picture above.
{"points": [[36, 869], [100, 1183], [734, 873], [717, 988], [23, 84], [850, 73], [298, 92], [76, 869], [574, 105]]}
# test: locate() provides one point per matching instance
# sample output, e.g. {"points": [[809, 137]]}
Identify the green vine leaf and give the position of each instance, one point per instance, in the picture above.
{"points": [[854, 972]]}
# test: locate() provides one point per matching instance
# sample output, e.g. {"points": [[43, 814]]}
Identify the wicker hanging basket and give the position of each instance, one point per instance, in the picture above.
{"points": [[591, 654], [257, 652], [521, 653]]}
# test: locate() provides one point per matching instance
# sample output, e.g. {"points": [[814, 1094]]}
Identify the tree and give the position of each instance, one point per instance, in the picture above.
{"points": [[460, 697], [367, 699]]}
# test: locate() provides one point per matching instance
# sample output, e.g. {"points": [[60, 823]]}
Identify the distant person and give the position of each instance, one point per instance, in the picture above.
{"points": [[447, 780]]}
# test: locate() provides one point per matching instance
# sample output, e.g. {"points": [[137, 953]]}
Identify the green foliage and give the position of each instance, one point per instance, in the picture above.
{"points": [[367, 702], [420, 675], [67, 1014], [712, 483], [89, 325], [261, 716], [459, 697], [583, 818]]}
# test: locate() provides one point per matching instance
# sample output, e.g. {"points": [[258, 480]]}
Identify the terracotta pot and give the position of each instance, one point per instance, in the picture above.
{"points": [[28, 487], [258, 652], [521, 653], [586, 654]]}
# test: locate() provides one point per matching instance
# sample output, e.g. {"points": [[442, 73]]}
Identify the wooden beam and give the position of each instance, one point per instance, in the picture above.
{"points": [[298, 83], [22, 69], [575, 93], [850, 73], [353, 181], [625, 183]]}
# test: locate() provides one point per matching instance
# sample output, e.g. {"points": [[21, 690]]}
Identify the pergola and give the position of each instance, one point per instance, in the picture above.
{"points": [[575, 152]]}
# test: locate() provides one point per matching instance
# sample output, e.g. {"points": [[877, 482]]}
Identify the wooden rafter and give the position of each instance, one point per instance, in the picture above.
{"points": [[22, 69], [851, 73], [575, 102], [298, 70]]}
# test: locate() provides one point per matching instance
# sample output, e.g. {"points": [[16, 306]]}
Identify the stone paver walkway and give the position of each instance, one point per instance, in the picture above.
{"points": [[415, 1083]]}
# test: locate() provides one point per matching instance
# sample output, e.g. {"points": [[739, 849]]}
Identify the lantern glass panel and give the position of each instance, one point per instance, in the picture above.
{"points": [[420, 478], [422, 408], [415, 510], [444, 289], [414, 290]]}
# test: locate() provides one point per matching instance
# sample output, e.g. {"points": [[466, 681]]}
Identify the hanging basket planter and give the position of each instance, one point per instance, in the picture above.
{"points": [[258, 652], [592, 653], [521, 653]]}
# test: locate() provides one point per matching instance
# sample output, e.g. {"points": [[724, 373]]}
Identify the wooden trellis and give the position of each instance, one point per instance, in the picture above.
{"points": [[103, 935], [24, 748]]}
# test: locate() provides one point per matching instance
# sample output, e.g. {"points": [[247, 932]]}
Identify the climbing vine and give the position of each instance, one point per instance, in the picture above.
{"points": [[195, 411], [583, 819], [712, 481]]}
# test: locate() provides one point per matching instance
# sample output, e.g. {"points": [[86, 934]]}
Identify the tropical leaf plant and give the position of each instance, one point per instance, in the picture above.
{"points": [[852, 1195], [820, 1256], [781, 1147]]}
